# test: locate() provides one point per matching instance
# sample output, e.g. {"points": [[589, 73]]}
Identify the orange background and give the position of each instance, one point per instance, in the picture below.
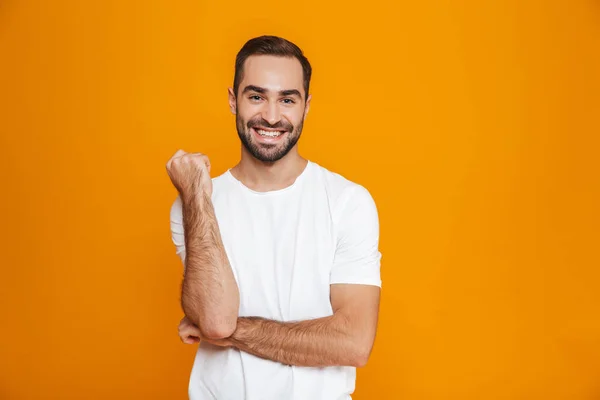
{"points": [[474, 125]]}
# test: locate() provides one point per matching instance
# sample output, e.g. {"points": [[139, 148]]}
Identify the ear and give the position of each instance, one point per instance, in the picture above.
{"points": [[307, 105], [232, 101]]}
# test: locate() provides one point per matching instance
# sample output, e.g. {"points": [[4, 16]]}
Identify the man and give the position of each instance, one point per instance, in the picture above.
{"points": [[281, 263]]}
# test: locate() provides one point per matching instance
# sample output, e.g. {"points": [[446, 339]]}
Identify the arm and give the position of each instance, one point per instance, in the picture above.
{"points": [[344, 338], [209, 294]]}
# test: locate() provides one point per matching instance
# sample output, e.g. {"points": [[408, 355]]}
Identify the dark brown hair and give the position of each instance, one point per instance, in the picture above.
{"points": [[274, 46]]}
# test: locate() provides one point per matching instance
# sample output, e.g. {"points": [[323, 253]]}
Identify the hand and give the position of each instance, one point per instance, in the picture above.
{"points": [[190, 334], [190, 173]]}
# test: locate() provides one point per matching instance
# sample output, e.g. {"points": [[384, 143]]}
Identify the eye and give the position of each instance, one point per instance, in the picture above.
{"points": [[254, 97], [288, 101]]}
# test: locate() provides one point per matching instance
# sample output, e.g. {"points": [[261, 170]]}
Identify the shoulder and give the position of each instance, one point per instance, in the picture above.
{"points": [[334, 181], [344, 194]]}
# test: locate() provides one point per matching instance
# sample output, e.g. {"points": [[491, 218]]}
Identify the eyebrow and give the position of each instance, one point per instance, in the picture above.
{"points": [[290, 92], [258, 89]]}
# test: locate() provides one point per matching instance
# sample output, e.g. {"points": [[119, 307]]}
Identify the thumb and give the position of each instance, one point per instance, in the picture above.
{"points": [[191, 340]]}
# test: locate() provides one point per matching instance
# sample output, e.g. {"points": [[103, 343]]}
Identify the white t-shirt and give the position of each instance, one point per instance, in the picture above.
{"points": [[285, 248]]}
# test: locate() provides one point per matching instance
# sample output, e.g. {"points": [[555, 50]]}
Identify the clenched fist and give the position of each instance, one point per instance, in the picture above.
{"points": [[190, 173], [188, 332]]}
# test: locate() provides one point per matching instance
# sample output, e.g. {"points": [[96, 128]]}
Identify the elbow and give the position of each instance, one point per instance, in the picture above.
{"points": [[215, 331], [219, 324], [214, 322], [360, 360], [362, 354], [212, 326]]}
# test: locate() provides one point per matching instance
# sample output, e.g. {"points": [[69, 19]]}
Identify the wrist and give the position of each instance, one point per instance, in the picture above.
{"points": [[196, 197], [239, 330], [244, 328]]}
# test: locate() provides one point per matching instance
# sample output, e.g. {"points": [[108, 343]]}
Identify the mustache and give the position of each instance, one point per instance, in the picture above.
{"points": [[286, 126]]}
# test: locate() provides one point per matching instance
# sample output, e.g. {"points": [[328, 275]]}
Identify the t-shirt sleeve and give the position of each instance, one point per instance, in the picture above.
{"points": [[177, 236], [357, 258]]}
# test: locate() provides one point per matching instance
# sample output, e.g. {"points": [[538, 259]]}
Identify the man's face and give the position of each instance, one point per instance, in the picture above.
{"points": [[270, 106]]}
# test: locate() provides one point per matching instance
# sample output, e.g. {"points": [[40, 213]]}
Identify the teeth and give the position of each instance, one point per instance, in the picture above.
{"points": [[268, 133]]}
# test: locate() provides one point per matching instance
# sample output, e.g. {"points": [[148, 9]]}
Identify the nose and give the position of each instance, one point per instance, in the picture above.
{"points": [[271, 113]]}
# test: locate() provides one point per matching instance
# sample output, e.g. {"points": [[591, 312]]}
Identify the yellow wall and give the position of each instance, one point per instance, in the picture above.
{"points": [[474, 125]]}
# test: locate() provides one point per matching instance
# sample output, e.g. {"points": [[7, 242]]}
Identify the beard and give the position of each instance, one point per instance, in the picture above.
{"points": [[268, 152]]}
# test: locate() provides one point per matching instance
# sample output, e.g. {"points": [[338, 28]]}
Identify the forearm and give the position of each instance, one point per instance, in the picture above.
{"points": [[210, 296], [318, 342]]}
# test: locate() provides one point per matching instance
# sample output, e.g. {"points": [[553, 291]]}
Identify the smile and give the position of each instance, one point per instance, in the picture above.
{"points": [[265, 133]]}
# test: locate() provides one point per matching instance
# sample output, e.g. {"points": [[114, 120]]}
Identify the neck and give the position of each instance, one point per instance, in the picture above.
{"points": [[266, 176]]}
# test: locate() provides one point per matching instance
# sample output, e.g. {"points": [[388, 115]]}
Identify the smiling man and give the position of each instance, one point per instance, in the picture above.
{"points": [[281, 263]]}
